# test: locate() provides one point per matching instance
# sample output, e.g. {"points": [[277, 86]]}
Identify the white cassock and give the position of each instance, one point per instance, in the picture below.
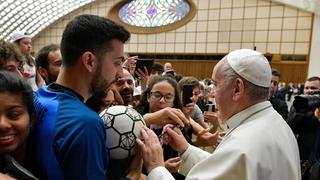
{"points": [[258, 145]]}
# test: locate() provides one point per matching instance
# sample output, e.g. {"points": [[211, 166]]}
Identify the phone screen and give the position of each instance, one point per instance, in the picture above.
{"points": [[187, 93], [141, 63]]}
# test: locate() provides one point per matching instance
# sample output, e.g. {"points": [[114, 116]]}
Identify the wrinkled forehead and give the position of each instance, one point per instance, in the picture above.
{"points": [[126, 76]]}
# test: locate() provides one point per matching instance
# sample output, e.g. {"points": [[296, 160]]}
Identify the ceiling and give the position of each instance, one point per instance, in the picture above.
{"points": [[33, 16], [308, 5]]}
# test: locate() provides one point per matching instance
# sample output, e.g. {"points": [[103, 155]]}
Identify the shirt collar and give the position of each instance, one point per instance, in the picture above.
{"points": [[241, 116]]}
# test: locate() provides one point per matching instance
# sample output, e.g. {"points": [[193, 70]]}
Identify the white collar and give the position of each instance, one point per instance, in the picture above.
{"points": [[237, 119]]}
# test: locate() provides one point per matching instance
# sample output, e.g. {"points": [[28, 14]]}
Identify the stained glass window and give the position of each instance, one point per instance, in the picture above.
{"points": [[153, 13]]}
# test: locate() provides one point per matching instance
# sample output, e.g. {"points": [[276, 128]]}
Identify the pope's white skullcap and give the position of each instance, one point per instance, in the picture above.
{"points": [[19, 35], [250, 65]]}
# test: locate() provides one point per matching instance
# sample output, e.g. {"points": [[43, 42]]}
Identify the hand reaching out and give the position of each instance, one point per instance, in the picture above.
{"points": [[172, 164], [166, 116], [205, 138], [317, 113], [130, 64], [150, 149]]}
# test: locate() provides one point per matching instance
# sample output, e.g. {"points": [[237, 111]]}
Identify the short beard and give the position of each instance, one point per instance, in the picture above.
{"points": [[98, 84], [50, 78]]}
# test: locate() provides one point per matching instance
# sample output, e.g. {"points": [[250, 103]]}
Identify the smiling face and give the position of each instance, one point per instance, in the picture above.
{"points": [[14, 122], [310, 86], [125, 86]]}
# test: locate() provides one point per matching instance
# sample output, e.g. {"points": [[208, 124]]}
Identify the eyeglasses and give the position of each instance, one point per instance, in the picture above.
{"points": [[158, 96]]}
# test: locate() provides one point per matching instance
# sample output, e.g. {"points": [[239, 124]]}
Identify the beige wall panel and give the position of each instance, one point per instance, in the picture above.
{"points": [[226, 3], [301, 48], [218, 27], [287, 48], [238, 3], [288, 36], [273, 48]]}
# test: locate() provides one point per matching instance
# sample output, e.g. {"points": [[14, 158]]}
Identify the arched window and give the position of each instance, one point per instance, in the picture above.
{"points": [[153, 16]]}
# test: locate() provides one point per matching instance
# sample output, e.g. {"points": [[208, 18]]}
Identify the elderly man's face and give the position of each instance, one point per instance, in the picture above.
{"points": [[125, 86], [223, 93]]}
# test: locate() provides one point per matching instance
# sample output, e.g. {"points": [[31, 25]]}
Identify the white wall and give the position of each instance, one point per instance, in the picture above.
{"points": [[314, 64]]}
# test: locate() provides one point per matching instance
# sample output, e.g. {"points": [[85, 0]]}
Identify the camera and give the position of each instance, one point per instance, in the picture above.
{"points": [[307, 102]]}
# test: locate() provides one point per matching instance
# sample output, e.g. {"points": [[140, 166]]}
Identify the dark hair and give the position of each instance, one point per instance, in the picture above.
{"points": [[178, 77], [13, 84], [7, 50], [42, 58], [96, 101], [177, 102], [189, 80], [89, 33], [275, 73], [157, 67], [313, 78]]}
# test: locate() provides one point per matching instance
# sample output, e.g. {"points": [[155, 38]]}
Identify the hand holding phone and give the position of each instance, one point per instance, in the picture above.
{"points": [[187, 93], [170, 73], [141, 63]]}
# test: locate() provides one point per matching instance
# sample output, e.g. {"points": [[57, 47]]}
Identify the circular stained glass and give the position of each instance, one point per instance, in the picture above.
{"points": [[153, 13]]}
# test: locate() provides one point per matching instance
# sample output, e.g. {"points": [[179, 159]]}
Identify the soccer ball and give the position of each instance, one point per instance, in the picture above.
{"points": [[123, 126]]}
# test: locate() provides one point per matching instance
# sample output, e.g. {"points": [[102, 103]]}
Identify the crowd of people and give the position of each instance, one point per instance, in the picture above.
{"points": [[50, 126]]}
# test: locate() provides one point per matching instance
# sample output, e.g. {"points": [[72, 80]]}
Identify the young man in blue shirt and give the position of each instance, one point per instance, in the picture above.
{"points": [[70, 137]]}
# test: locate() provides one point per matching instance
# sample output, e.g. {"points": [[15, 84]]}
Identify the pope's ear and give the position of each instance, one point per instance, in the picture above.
{"points": [[89, 61], [238, 90]]}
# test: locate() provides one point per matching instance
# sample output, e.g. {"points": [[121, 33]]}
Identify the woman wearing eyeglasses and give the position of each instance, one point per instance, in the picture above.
{"points": [[161, 105]]}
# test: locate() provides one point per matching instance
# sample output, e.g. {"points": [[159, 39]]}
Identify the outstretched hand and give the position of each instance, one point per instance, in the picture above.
{"points": [[166, 116], [205, 138], [172, 164], [174, 137], [150, 149]]}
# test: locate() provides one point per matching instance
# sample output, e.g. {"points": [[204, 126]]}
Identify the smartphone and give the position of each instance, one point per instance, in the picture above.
{"points": [[141, 63], [187, 93], [170, 73], [210, 107]]}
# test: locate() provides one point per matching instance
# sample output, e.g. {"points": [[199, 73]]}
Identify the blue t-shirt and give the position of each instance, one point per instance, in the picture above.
{"points": [[71, 138]]}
